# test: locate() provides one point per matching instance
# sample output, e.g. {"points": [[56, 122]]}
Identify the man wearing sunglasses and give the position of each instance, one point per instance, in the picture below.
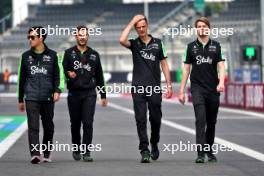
{"points": [[39, 87], [84, 73]]}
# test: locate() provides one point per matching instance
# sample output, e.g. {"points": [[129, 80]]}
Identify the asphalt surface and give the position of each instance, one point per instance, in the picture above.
{"points": [[115, 130]]}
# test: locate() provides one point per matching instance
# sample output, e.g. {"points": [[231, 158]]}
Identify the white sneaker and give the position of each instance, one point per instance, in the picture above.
{"points": [[47, 160]]}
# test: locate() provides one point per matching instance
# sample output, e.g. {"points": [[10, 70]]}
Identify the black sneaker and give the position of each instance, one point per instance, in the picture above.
{"points": [[87, 157], [154, 152], [145, 157], [200, 158], [35, 159], [211, 157], [76, 156]]}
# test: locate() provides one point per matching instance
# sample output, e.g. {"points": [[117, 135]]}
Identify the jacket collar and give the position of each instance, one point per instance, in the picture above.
{"points": [[199, 43], [46, 50], [151, 40], [78, 51]]}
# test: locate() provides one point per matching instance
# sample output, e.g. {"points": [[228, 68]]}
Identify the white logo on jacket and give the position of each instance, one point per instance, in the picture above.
{"points": [[35, 69], [73, 54], [152, 46], [200, 60], [93, 57], [46, 58], [147, 56], [79, 65]]}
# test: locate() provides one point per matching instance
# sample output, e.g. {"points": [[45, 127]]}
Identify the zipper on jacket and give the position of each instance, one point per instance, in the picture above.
{"points": [[38, 77]]}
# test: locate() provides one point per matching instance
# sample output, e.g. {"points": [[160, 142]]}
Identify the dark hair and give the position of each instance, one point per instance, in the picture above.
{"points": [[40, 31], [145, 19], [204, 20], [80, 27]]}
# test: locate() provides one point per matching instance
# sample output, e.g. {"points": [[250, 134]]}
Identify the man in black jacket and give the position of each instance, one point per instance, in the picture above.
{"points": [[83, 72], [39, 86]]}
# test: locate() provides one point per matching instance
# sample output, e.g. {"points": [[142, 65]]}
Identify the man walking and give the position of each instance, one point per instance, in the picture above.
{"points": [[204, 55], [83, 72], [39, 87], [148, 55], [6, 76]]}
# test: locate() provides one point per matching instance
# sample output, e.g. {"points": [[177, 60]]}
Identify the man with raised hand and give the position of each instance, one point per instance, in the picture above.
{"points": [[148, 55]]}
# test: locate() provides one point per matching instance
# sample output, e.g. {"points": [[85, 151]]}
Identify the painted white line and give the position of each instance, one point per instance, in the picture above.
{"points": [[122, 108], [174, 101], [5, 120], [239, 148], [223, 109], [63, 95], [8, 95], [12, 138], [230, 117]]}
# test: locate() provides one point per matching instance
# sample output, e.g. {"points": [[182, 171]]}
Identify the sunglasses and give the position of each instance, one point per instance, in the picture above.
{"points": [[31, 37]]}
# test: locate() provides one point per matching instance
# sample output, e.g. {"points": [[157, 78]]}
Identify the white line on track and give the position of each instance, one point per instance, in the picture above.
{"points": [[174, 101], [239, 148], [12, 138], [223, 109]]}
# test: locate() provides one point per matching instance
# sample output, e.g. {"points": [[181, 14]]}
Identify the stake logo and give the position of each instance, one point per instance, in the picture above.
{"points": [[79, 65], [35, 70]]}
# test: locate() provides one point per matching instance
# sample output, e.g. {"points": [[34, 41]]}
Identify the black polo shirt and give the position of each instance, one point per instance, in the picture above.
{"points": [[146, 61], [204, 61]]}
